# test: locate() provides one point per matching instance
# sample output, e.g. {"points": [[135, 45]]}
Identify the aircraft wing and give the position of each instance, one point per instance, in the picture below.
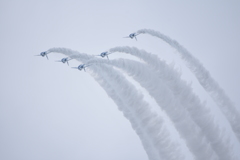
{"points": [[87, 65]]}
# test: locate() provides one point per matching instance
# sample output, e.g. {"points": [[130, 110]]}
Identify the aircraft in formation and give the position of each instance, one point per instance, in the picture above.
{"points": [[64, 60], [43, 54], [132, 35], [104, 54], [81, 67]]}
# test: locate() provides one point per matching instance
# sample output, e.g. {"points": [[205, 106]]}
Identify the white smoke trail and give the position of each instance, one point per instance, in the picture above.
{"points": [[143, 120], [198, 112], [205, 79], [113, 93], [150, 122], [148, 79]]}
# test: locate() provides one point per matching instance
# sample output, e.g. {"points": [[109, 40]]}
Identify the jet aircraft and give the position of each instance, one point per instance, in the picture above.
{"points": [[44, 54], [64, 60], [104, 54], [81, 67], [132, 35]]}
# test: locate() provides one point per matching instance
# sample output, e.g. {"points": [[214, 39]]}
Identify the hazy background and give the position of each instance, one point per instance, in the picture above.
{"points": [[49, 111]]}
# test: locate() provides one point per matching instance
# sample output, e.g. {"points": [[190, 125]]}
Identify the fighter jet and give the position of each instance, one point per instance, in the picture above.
{"points": [[104, 54], [43, 54], [81, 66], [132, 35], [64, 60]]}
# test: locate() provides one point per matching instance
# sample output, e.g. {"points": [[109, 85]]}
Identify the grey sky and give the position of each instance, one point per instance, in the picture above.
{"points": [[49, 111]]}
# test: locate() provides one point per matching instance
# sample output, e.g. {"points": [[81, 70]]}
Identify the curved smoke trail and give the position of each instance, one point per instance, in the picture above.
{"points": [[198, 112], [140, 115], [194, 138], [205, 79], [113, 94], [122, 106], [149, 121]]}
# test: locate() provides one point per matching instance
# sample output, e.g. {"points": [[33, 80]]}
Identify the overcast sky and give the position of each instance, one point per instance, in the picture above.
{"points": [[49, 111]]}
